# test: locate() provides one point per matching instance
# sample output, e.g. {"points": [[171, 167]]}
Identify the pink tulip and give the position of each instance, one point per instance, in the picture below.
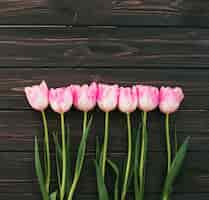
{"points": [[148, 97], [61, 99], [170, 99], [37, 96], [107, 99], [84, 97], [127, 99]]}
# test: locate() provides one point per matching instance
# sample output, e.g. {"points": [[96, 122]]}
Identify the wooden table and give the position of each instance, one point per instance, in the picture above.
{"points": [[159, 42]]}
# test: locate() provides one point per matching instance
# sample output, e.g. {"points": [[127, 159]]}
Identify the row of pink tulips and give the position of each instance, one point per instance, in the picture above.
{"points": [[107, 97]]}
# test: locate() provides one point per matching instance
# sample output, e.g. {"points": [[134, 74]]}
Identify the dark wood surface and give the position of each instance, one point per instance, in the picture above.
{"points": [[138, 47], [109, 12], [159, 42], [192, 180], [26, 196]]}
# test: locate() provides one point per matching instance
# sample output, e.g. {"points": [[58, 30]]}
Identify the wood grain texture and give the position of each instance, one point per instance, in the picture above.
{"points": [[18, 129], [109, 12], [19, 125], [155, 196], [20, 173], [105, 47], [158, 42]]}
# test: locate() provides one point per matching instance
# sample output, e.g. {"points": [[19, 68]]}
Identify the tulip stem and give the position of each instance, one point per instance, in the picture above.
{"points": [[62, 190], [125, 184], [168, 143], [76, 177], [165, 197], [104, 156], [46, 141], [143, 156], [84, 121]]}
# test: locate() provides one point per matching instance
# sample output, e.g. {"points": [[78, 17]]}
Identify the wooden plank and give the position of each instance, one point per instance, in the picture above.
{"points": [[195, 82], [23, 196], [104, 47], [109, 12], [163, 13], [34, 196], [18, 129], [39, 12], [17, 169]]}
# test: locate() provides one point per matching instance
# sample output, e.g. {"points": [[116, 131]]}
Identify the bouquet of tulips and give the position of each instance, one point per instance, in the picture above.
{"points": [[108, 98]]}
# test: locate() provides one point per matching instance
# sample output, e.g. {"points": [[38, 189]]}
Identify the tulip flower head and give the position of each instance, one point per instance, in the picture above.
{"points": [[127, 102], [37, 96], [85, 96], [107, 98], [170, 99], [61, 99], [148, 97]]}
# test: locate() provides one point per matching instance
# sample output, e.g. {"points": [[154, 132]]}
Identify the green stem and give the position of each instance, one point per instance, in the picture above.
{"points": [[76, 177], [62, 190], [125, 184], [143, 156], [168, 143], [165, 197], [73, 187], [84, 121], [46, 141], [104, 156]]}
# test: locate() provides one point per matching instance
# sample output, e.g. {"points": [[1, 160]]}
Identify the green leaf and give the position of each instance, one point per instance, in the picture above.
{"points": [[39, 171], [68, 156], [45, 168], [101, 155], [58, 155], [82, 149], [116, 171], [145, 160], [136, 184], [175, 140], [97, 149], [102, 190], [175, 168], [53, 196], [136, 162]]}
